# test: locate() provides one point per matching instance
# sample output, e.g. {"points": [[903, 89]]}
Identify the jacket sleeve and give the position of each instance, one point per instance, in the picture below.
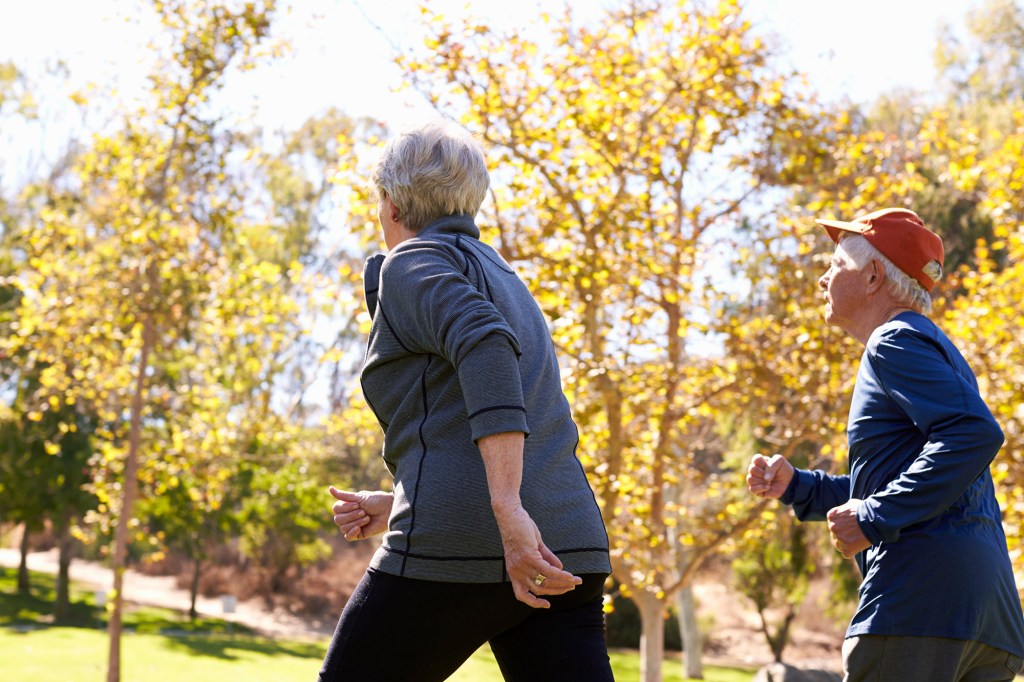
{"points": [[813, 493], [431, 307], [945, 405]]}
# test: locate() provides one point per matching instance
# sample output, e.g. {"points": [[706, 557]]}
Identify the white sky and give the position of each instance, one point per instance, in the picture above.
{"points": [[339, 58]]}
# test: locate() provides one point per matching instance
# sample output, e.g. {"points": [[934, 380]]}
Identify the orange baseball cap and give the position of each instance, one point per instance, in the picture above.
{"points": [[902, 237]]}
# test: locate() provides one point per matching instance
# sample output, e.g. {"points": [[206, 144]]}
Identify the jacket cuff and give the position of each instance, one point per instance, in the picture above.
{"points": [[492, 388], [867, 519], [498, 420], [800, 487]]}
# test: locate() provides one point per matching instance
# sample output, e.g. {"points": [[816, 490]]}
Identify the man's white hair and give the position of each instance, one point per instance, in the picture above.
{"points": [[432, 171], [906, 290]]}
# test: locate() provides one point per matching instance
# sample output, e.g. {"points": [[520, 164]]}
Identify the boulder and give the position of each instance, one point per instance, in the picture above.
{"points": [[780, 672]]}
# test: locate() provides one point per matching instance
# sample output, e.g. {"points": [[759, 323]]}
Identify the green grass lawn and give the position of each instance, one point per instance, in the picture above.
{"points": [[163, 645]]}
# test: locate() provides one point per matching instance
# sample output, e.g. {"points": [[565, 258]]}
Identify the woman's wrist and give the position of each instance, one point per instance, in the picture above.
{"points": [[505, 507]]}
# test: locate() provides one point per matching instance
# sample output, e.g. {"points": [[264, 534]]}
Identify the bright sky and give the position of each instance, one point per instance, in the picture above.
{"points": [[340, 58]]}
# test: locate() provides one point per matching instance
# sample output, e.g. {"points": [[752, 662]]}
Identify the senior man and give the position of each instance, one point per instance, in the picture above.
{"points": [[918, 509]]}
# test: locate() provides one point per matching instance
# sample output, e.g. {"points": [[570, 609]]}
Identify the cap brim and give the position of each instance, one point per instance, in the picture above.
{"points": [[834, 227]]}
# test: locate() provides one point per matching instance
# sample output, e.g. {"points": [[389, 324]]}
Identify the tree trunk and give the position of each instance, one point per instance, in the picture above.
{"points": [[690, 631], [652, 636], [777, 642], [196, 573], [62, 605], [131, 485], [24, 584]]}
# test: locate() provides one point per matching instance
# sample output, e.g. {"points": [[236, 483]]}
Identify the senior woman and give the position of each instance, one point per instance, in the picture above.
{"points": [[490, 536]]}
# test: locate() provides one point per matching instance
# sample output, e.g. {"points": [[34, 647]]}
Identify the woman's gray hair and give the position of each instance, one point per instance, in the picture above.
{"points": [[431, 171], [904, 289]]}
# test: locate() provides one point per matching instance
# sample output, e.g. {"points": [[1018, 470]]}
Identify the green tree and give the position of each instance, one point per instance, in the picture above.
{"points": [[117, 272], [282, 520], [773, 570], [46, 466]]}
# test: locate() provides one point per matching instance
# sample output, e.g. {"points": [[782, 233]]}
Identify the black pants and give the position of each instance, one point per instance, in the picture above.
{"points": [[402, 630]]}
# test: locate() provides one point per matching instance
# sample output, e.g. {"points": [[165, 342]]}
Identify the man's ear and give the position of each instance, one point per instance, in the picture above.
{"points": [[875, 275]]}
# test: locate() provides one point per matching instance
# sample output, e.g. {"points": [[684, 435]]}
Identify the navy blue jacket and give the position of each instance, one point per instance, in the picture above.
{"points": [[921, 440]]}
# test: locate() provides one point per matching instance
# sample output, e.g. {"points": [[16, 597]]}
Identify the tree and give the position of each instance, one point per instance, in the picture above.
{"points": [[117, 271], [986, 69], [982, 133], [985, 321], [18, 501], [317, 170], [773, 569], [283, 518], [45, 457], [21, 502], [45, 461], [668, 116], [17, 104]]}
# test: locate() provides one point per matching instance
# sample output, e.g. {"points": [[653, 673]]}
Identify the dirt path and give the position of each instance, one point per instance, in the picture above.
{"points": [[736, 637], [163, 591]]}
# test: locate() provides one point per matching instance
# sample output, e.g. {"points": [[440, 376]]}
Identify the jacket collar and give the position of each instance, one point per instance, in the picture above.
{"points": [[452, 224]]}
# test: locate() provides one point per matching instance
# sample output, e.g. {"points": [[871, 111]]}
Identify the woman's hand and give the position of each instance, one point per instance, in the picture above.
{"points": [[363, 514], [533, 568]]}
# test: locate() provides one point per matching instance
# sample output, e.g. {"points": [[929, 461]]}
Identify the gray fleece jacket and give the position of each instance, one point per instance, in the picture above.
{"points": [[459, 350]]}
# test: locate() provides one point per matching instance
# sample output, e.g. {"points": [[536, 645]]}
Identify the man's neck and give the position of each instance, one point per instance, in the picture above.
{"points": [[877, 315]]}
